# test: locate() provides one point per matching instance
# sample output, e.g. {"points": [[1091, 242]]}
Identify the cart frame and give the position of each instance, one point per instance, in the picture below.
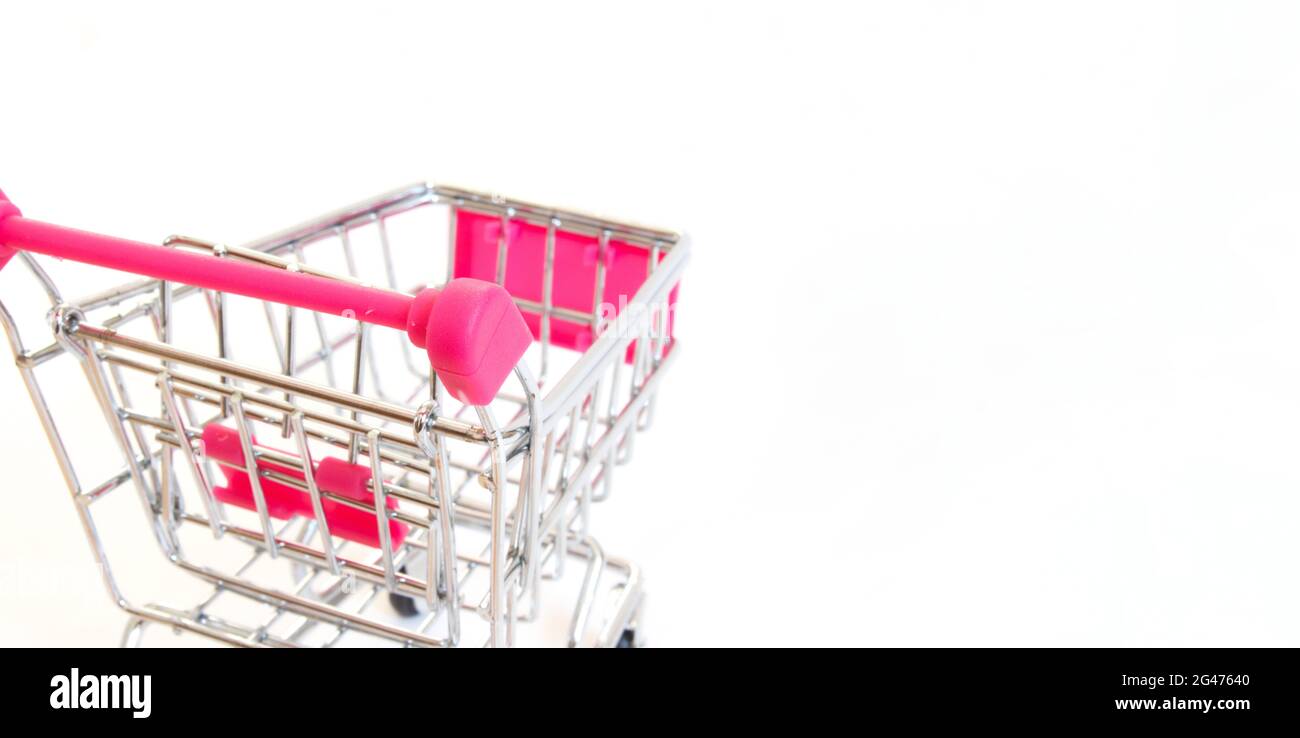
{"points": [[541, 469]]}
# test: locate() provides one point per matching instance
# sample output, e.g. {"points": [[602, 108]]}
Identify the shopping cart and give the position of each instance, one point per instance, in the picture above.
{"points": [[341, 463]]}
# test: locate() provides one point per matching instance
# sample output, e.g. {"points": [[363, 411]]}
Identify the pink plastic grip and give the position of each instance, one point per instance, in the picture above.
{"points": [[7, 209], [283, 502], [474, 337], [472, 330]]}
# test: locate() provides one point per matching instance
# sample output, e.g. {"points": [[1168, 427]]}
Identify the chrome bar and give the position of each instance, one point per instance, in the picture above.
{"points": [[381, 512], [308, 469]]}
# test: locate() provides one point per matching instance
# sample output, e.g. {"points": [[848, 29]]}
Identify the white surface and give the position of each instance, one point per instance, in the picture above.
{"points": [[991, 332]]}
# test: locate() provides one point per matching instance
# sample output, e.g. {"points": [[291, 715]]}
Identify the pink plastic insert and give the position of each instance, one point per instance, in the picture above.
{"points": [[574, 278], [283, 502]]}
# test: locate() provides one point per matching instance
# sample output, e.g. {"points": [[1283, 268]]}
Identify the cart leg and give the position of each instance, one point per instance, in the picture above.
{"points": [[134, 632], [633, 635]]}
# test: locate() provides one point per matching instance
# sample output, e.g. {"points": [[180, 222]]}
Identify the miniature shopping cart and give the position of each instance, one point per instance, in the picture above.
{"points": [[337, 443]]}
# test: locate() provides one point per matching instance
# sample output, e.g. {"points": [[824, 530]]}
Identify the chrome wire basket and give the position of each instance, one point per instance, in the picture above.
{"points": [[341, 452]]}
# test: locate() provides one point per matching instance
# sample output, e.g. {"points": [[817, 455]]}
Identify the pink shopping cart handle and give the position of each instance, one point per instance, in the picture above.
{"points": [[471, 329]]}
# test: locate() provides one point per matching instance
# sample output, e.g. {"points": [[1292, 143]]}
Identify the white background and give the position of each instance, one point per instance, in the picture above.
{"points": [[992, 331]]}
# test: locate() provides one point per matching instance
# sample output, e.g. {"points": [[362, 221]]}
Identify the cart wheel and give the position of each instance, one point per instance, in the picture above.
{"points": [[631, 636], [405, 605]]}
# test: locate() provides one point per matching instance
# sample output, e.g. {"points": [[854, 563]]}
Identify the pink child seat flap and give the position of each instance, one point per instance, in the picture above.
{"points": [[332, 475]]}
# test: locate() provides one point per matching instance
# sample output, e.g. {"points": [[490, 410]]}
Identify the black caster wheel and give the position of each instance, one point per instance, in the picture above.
{"points": [[405, 605], [627, 640]]}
